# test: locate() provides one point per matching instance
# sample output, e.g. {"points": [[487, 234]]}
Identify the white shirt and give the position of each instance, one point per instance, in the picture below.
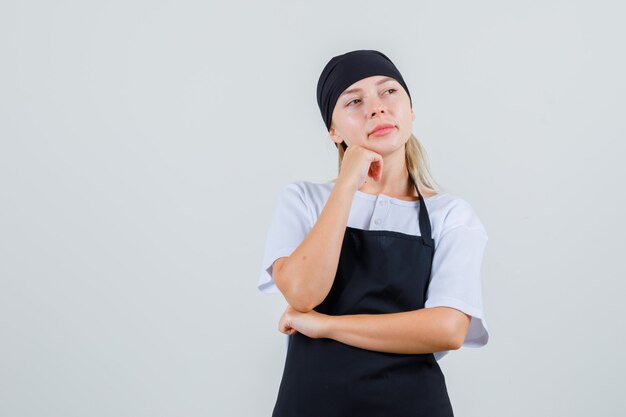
{"points": [[459, 236]]}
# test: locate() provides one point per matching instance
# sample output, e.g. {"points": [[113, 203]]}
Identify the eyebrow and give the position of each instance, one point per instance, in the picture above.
{"points": [[354, 90]]}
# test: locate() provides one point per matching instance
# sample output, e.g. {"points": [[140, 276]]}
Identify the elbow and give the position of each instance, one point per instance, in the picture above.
{"points": [[296, 296], [301, 305], [449, 335], [455, 341], [450, 340], [300, 297], [299, 300], [453, 326], [456, 335]]}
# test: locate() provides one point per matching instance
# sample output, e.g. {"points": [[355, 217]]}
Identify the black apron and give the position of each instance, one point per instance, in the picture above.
{"points": [[379, 272]]}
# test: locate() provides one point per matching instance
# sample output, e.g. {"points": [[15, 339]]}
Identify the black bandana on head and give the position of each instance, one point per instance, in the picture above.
{"points": [[344, 70]]}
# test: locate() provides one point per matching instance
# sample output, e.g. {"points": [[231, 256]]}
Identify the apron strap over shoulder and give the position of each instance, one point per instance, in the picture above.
{"points": [[424, 221]]}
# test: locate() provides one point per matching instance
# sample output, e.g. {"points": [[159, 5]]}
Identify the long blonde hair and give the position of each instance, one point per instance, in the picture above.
{"points": [[416, 164]]}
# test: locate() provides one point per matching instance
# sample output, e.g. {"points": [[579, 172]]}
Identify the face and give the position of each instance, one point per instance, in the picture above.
{"points": [[368, 104]]}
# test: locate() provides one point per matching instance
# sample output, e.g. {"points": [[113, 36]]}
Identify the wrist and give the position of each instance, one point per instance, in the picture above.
{"points": [[343, 187], [329, 326]]}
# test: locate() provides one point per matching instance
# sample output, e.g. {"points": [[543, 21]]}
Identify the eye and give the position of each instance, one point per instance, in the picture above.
{"points": [[391, 89], [351, 101]]}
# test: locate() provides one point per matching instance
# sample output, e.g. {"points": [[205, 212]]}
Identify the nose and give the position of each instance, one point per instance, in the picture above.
{"points": [[376, 107]]}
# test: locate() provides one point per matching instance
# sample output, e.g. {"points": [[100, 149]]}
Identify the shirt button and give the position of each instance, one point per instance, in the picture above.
{"points": [[377, 221], [382, 202]]}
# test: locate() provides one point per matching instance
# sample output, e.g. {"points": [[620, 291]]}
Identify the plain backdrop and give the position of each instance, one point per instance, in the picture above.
{"points": [[143, 145]]}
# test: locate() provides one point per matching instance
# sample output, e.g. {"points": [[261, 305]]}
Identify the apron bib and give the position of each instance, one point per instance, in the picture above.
{"points": [[379, 272]]}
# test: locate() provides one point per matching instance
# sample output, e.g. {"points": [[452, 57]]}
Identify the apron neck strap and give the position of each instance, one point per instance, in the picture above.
{"points": [[424, 220]]}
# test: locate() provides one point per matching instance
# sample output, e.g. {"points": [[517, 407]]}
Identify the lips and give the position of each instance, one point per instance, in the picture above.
{"points": [[382, 129]]}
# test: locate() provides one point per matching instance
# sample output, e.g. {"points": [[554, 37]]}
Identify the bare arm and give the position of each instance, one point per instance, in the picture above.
{"points": [[306, 276], [425, 330], [421, 331]]}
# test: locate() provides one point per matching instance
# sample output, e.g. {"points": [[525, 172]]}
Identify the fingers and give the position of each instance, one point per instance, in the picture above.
{"points": [[287, 330], [284, 324], [375, 170], [359, 163]]}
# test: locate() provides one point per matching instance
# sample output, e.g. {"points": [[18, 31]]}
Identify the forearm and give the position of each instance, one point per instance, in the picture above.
{"points": [[306, 276], [425, 330]]}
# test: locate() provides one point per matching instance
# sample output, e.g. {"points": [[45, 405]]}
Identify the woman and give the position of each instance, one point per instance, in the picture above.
{"points": [[381, 272]]}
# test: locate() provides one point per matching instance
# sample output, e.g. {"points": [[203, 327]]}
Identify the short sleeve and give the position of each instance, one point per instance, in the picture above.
{"points": [[288, 227], [456, 277]]}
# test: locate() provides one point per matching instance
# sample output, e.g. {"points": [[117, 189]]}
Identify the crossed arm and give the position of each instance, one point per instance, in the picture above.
{"points": [[425, 330], [306, 276]]}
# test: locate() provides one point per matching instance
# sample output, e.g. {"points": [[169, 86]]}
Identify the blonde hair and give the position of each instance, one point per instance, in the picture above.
{"points": [[416, 164]]}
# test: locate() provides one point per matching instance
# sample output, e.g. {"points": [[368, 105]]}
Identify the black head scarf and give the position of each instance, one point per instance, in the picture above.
{"points": [[344, 70]]}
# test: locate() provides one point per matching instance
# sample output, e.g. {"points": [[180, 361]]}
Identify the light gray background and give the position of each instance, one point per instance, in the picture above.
{"points": [[143, 144]]}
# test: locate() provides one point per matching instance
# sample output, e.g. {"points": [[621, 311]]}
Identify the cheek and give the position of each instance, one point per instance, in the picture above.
{"points": [[350, 124], [406, 117]]}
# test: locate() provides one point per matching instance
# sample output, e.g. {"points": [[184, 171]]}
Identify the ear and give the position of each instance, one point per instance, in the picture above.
{"points": [[334, 136], [412, 114]]}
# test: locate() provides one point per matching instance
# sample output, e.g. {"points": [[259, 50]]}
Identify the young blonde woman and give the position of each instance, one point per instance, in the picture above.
{"points": [[381, 272]]}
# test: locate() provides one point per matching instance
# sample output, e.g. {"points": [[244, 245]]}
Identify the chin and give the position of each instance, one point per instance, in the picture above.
{"points": [[386, 150], [389, 144]]}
